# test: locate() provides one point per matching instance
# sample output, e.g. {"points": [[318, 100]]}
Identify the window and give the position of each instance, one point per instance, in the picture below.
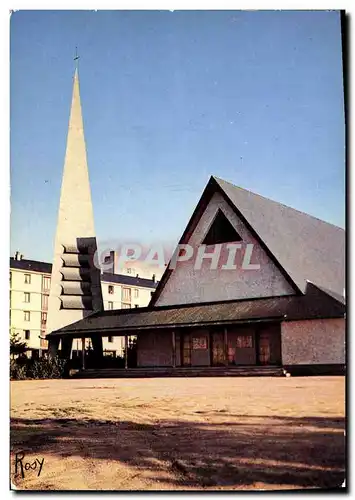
{"points": [[27, 297], [27, 334], [28, 279], [27, 315], [110, 289], [126, 294], [221, 231], [244, 341], [199, 343], [44, 318], [45, 301], [46, 282], [110, 306], [136, 293], [110, 339], [126, 306]]}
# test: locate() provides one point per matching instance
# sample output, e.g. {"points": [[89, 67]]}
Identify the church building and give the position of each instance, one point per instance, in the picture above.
{"points": [[252, 284]]}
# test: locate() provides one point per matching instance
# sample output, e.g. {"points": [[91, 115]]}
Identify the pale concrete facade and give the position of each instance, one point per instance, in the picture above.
{"points": [[188, 285], [26, 306], [318, 341], [37, 284], [122, 296]]}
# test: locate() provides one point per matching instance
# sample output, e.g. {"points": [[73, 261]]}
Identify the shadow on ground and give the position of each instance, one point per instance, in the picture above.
{"points": [[301, 452]]}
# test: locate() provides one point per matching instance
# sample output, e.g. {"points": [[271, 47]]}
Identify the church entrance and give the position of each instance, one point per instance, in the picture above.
{"points": [[268, 345], [264, 349], [186, 349], [218, 348], [247, 345], [195, 348], [252, 345]]}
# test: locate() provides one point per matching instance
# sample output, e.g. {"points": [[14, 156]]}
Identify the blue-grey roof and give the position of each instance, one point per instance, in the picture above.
{"points": [[128, 280], [307, 248], [31, 265]]}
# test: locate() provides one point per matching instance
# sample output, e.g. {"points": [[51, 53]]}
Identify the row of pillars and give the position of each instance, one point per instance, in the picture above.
{"points": [[98, 349], [67, 343]]}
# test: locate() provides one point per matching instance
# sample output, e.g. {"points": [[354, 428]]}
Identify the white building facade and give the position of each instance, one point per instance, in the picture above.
{"points": [[30, 282]]}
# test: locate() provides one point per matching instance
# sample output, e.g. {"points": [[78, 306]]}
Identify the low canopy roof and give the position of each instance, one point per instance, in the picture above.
{"points": [[316, 303]]}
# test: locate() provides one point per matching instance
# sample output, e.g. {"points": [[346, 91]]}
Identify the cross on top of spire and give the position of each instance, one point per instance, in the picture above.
{"points": [[76, 58]]}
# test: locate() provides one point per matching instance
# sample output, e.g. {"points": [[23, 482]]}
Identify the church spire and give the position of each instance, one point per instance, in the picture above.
{"points": [[75, 200]]}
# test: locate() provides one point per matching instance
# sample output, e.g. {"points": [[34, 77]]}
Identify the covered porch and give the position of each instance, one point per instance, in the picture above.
{"points": [[253, 344], [220, 336]]}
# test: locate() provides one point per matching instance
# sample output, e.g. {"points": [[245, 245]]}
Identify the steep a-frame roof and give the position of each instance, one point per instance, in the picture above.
{"points": [[304, 247]]}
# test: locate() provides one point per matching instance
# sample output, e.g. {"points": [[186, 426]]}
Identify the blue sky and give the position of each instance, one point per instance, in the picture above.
{"points": [[168, 99]]}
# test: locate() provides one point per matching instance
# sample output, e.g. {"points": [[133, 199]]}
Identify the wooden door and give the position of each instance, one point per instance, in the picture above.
{"points": [[264, 348], [245, 348], [218, 349]]}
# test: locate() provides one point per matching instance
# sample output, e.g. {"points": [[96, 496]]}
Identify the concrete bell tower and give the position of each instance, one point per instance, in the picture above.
{"points": [[75, 283]]}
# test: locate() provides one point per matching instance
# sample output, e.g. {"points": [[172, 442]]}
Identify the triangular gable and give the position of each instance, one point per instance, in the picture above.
{"points": [[186, 284]]}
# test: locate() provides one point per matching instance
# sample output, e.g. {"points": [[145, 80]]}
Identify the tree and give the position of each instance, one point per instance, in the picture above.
{"points": [[17, 346]]}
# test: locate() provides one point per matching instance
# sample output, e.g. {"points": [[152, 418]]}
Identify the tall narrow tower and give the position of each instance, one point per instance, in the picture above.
{"points": [[75, 285]]}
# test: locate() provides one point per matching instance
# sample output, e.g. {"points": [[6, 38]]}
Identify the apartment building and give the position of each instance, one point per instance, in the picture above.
{"points": [[111, 264], [29, 291]]}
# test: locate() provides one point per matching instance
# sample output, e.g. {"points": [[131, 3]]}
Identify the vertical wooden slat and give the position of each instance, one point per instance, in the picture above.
{"points": [[182, 340], [126, 352], [83, 353], [225, 346], [257, 338], [173, 340]]}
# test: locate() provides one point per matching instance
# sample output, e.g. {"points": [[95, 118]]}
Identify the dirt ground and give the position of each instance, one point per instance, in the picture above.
{"points": [[178, 433]]}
